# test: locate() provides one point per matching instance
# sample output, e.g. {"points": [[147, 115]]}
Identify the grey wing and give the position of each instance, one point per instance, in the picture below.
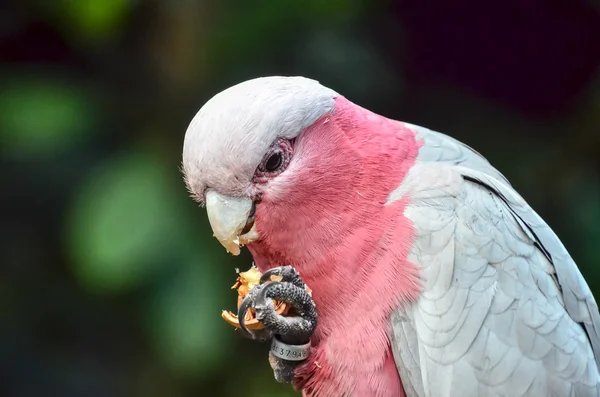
{"points": [[443, 149], [504, 309]]}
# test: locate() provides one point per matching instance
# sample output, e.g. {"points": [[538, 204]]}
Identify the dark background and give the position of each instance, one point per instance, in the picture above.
{"points": [[110, 282]]}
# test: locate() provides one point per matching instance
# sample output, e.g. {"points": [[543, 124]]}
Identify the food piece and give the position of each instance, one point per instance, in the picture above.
{"points": [[244, 283]]}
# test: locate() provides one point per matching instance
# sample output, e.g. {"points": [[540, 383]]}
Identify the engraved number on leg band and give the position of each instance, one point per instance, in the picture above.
{"points": [[289, 352]]}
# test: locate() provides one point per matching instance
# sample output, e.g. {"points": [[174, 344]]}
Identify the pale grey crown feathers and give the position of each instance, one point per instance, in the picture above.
{"points": [[231, 133]]}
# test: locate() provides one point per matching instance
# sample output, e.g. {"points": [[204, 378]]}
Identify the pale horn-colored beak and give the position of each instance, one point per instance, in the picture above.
{"points": [[228, 216]]}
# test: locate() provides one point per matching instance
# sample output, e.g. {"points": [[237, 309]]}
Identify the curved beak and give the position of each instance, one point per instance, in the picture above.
{"points": [[231, 219]]}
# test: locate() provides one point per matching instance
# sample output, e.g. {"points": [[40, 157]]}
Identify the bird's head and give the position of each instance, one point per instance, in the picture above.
{"points": [[290, 168]]}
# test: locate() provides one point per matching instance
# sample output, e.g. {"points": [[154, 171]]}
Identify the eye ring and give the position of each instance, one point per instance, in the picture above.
{"points": [[275, 160]]}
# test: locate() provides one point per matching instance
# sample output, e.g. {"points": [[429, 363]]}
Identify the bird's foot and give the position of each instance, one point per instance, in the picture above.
{"points": [[301, 321], [290, 334]]}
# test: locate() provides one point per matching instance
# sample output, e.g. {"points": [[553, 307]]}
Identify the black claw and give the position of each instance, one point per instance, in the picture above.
{"points": [[287, 274], [244, 306], [247, 303], [266, 276]]}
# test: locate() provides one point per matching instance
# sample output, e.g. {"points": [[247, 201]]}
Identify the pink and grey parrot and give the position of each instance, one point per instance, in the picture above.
{"points": [[430, 275]]}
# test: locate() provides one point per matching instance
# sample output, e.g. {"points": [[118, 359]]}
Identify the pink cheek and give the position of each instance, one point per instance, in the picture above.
{"points": [[271, 194], [278, 189]]}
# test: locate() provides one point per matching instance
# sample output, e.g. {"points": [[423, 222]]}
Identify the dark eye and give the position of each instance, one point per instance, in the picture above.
{"points": [[274, 162]]}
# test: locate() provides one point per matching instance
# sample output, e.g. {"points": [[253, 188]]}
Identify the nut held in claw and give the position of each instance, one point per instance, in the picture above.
{"points": [[244, 283]]}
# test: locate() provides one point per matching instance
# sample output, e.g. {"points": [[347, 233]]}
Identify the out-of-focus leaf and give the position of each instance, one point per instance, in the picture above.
{"points": [[185, 318], [587, 215], [335, 57], [42, 117], [95, 18], [333, 9], [264, 385], [250, 25], [125, 222], [581, 195]]}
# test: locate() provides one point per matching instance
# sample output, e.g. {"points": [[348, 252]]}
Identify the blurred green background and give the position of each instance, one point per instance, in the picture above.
{"points": [[110, 282]]}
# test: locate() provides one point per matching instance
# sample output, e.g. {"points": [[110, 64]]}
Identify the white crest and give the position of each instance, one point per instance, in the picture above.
{"points": [[229, 136]]}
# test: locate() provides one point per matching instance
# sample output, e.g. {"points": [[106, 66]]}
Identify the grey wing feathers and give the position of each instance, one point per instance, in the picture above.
{"points": [[444, 149], [577, 296], [504, 307]]}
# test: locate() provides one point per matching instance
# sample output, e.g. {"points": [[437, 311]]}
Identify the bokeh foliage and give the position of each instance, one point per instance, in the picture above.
{"points": [[111, 284]]}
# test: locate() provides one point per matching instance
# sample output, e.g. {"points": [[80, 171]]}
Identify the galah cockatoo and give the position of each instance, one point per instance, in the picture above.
{"points": [[430, 275]]}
